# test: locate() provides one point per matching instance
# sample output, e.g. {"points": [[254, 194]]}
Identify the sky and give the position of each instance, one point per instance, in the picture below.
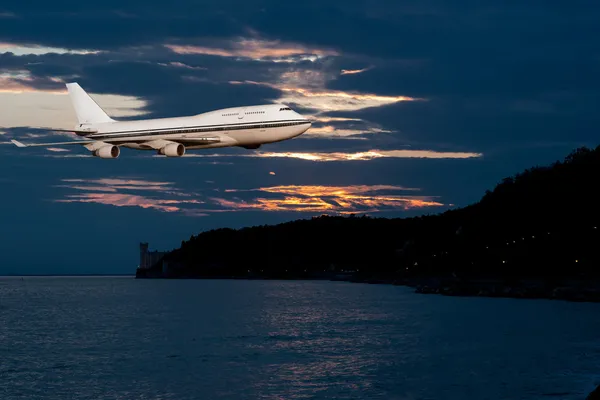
{"points": [[419, 107]]}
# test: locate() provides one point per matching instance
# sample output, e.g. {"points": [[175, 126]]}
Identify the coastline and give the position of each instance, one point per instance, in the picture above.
{"points": [[566, 290]]}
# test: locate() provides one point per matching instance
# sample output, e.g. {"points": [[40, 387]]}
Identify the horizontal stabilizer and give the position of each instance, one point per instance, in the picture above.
{"points": [[18, 144]]}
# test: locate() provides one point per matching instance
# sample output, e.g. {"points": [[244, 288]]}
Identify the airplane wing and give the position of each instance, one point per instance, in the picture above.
{"points": [[155, 144], [160, 143], [81, 142]]}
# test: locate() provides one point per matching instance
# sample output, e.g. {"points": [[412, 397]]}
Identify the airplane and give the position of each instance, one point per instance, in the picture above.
{"points": [[248, 127]]}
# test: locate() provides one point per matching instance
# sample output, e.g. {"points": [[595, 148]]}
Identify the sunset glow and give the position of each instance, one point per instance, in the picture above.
{"points": [[256, 49], [359, 156], [165, 197]]}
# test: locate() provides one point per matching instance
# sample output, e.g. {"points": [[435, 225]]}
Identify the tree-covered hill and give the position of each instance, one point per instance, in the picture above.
{"points": [[541, 223]]}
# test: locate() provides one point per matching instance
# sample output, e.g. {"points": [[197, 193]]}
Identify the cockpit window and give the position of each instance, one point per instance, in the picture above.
{"points": [[285, 108]]}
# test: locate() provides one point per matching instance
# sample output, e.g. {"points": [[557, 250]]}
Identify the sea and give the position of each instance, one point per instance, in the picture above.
{"points": [[122, 338]]}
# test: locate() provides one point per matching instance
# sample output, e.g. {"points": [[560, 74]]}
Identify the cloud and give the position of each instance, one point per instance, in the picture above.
{"points": [[56, 149], [34, 49], [354, 71], [358, 156], [7, 15], [307, 89], [326, 119], [332, 131], [165, 197], [119, 183], [324, 100], [330, 199], [20, 81], [67, 156], [113, 191], [123, 200], [177, 64], [255, 49], [29, 101]]}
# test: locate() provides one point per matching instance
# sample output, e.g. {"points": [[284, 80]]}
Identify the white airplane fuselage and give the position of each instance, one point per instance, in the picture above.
{"points": [[242, 126], [248, 127]]}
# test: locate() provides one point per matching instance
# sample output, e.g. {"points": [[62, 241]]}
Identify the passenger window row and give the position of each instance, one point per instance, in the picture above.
{"points": [[229, 128]]}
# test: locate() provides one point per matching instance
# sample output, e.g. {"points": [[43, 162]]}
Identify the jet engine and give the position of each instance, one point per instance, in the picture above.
{"points": [[173, 150], [107, 152]]}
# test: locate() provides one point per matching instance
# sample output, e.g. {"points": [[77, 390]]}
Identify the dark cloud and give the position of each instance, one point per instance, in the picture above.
{"points": [[516, 81]]}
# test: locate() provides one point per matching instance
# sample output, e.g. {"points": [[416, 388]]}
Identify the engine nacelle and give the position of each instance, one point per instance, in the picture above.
{"points": [[173, 150], [107, 152]]}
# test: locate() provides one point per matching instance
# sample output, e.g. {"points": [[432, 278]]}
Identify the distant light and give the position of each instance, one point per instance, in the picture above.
{"points": [[271, 173], [486, 247], [503, 262], [533, 237], [576, 260]]}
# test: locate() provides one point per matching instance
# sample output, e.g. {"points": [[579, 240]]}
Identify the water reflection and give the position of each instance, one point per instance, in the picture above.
{"points": [[328, 347]]}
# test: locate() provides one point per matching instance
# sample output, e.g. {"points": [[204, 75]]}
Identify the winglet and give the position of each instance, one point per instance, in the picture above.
{"points": [[18, 144]]}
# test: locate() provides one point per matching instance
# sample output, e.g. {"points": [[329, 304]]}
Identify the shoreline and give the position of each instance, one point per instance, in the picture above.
{"points": [[566, 290]]}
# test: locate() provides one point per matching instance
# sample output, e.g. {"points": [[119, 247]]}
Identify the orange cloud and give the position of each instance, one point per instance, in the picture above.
{"points": [[354, 71], [328, 100], [256, 49], [162, 196], [325, 199], [332, 131], [360, 156], [371, 155], [108, 191], [19, 82]]}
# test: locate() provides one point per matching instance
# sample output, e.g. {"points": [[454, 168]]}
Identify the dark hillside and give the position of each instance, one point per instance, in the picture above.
{"points": [[540, 224]]}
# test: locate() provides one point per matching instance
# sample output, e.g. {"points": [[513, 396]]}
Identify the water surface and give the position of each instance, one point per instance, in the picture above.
{"points": [[121, 338]]}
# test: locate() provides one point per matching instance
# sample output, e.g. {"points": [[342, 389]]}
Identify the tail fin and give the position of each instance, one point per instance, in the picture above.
{"points": [[88, 112]]}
